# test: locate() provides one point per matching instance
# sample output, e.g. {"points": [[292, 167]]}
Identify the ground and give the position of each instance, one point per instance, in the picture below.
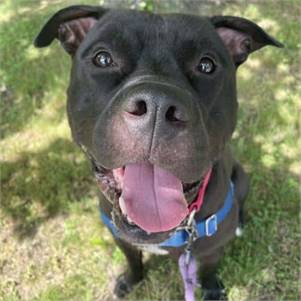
{"points": [[52, 244]]}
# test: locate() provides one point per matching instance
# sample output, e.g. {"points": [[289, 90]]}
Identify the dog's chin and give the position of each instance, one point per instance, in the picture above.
{"points": [[110, 184]]}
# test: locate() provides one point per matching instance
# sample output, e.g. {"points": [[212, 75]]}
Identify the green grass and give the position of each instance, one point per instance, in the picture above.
{"points": [[52, 245]]}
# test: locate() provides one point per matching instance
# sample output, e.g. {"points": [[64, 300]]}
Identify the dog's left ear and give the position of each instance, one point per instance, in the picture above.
{"points": [[70, 26], [241, 36]]}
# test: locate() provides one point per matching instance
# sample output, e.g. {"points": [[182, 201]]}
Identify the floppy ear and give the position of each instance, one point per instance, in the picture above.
{"points": [[69, 25], [241, 36]]}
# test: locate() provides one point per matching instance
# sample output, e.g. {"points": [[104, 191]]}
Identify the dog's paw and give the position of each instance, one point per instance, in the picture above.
{"points": [[216, 292], [124, 285]]}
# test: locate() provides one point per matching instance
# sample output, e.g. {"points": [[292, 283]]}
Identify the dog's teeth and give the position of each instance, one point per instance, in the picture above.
{"points": [[130, 221], [123, 210], [122, 205]]}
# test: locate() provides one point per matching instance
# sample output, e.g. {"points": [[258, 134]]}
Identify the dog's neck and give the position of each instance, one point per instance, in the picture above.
{"points": [[218, 185]]}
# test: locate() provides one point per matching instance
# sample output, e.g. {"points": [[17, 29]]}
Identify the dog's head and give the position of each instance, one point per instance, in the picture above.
{"points": [[152, 102]]}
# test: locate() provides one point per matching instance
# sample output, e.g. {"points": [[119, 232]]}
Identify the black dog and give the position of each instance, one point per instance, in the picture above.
{"points": [[152, 103]]}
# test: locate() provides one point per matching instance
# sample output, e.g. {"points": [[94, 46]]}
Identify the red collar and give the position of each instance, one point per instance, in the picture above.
{"points": [[197, 204]]}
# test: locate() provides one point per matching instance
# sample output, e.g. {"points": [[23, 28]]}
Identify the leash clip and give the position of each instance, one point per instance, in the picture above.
{"points": [[187, 256], [191, 230], [191, 217]]}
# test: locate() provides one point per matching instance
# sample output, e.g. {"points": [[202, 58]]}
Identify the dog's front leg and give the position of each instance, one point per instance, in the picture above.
{"points": [[134, 274], [212, 286]]}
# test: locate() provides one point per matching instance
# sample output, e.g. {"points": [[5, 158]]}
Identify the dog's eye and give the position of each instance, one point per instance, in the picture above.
{"points": [[103, 59], [206, 65]]}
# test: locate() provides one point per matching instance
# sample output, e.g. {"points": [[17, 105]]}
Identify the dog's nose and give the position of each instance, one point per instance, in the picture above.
{"points": [[163, 109]]}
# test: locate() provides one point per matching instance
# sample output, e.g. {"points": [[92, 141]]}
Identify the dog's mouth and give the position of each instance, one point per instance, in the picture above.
{"points": [[146, 197]]}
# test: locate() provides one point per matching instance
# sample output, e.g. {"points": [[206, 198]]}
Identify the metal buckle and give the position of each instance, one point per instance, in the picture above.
{"points": [[211, 225]]}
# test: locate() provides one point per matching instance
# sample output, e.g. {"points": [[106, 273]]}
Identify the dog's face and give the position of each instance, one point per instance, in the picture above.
{"points": [[152, 102]]}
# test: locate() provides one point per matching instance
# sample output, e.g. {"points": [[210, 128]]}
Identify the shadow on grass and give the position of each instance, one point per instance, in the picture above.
{"points": [[44, 184]]}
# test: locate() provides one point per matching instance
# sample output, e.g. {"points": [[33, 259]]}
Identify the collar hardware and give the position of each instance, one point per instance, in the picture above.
{"points": [[211, 225]]}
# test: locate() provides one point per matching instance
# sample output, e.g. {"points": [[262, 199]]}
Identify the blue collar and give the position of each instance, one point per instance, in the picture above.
{"points": [[205, 228]]}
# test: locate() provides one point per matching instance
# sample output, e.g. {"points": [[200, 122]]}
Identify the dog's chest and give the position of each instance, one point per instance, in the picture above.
{"points": [[152, 248]]}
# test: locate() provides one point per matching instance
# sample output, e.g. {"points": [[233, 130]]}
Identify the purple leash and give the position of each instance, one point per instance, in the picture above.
{"points": [[187, 262], [188, 272]]}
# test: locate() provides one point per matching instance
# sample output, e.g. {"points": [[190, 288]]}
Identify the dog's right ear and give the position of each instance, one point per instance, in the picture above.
{"points": [[241, 36], [70, 26]]}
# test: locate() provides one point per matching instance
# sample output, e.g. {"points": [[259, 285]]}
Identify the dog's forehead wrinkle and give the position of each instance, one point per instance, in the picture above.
{"points": [[159, 35], [156, 26]]}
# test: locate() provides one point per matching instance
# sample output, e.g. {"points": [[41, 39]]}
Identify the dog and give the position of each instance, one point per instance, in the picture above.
{"points": [[152, 103]]}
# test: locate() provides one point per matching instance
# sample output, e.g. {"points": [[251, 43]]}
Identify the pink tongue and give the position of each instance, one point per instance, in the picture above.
{"points": [[153, 198]]}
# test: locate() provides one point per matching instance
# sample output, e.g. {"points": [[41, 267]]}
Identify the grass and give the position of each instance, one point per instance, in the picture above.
{"points": [[53, 246]]}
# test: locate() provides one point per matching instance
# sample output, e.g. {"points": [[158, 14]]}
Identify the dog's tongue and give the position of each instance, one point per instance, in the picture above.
{"points": [[152, 197]]}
